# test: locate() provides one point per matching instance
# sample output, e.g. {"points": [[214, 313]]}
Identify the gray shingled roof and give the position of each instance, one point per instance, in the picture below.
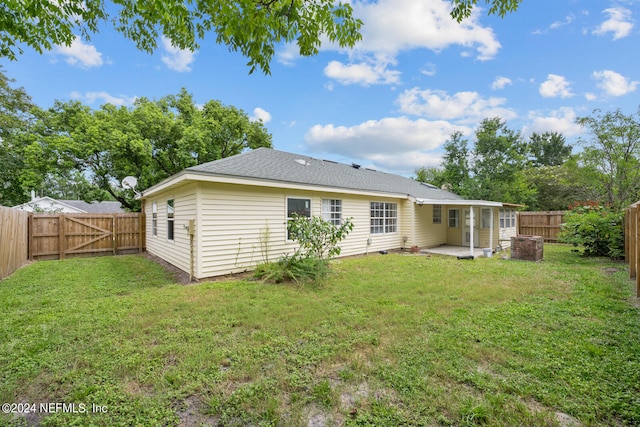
{"points": [[95, 207], [274, 165]]}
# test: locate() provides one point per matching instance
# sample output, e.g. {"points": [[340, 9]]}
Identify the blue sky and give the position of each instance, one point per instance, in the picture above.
{"points": [[392, 101]]}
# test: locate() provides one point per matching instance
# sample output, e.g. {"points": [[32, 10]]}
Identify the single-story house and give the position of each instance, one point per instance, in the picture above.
{"points": [[49, 204], [229, 215]]}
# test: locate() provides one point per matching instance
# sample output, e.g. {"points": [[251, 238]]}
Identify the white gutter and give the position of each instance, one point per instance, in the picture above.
{"points": [[457, 202]]}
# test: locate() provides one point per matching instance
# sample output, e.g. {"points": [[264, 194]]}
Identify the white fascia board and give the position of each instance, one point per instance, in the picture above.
{"points": [[191, 176], [485, 203]]}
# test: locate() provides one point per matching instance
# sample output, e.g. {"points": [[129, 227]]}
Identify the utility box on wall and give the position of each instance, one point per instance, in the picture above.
{"points": [[527, 248]]}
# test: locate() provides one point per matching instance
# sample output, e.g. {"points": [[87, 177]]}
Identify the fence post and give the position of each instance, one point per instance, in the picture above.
{"points": [[114, 235], [636, 260], [30, 237], [633, 241], [61, 237]]}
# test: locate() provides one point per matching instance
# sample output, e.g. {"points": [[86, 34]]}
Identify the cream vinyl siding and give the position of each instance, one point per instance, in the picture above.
{"points": [[177, 251], [427, 233], [235, 219]]}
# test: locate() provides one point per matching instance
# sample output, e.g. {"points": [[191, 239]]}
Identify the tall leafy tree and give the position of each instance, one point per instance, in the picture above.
{"points": [[560, 186], [430, 175], [17, 113], [548, 149], [613, 149], [499, 158], [456, 174], [152, 140]]}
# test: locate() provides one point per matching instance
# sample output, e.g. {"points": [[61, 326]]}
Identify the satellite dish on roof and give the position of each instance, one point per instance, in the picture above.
{"points": [[129, 182]]}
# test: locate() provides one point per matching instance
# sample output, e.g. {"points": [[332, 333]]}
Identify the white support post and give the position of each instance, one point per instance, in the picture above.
{"points": [[471, 230], [491, 228]]}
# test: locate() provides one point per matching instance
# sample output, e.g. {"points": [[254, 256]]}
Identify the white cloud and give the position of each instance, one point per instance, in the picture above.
{"points": [[567, 20], [92, 97], [176, 59], [393, 26], [562, 121], [614, 84], [396, 143], [619, 23], [260, 114], [288, 54], [590, 96], [429, 69], [80, 54], [364, 73], [555, 86], [466, 107], [501, 82]]}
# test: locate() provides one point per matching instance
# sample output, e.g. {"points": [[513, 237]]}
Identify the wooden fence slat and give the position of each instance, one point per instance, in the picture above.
{"points": [[546, 224], [14, 240]]}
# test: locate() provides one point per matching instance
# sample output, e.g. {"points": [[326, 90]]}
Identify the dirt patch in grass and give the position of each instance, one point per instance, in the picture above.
{"points": [[178, 275], [190, 414]]}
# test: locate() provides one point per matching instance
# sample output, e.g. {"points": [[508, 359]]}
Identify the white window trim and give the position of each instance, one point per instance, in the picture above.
{"points": [[328, 211], [286, 213], [385, 225], [439, 214], [482, 218], [154, 219], [457, 218], [171, 220]]}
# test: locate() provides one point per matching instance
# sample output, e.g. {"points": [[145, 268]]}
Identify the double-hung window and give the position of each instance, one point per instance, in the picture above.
{"points": [[170, 219], [507, 218], [437, 214], [332, 211], [154, 219], [300, 207], [454, 218], [384, 217]]}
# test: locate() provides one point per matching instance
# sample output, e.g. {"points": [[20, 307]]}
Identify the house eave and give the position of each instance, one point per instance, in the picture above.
{"points": [[459, 202]]}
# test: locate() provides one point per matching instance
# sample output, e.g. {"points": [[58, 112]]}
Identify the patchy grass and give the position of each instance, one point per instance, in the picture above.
{"points": [[388, 340]]}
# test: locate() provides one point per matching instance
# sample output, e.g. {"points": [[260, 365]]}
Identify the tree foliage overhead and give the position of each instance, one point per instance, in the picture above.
{"points": [[151, 141], [462, 8], [251, 27]]}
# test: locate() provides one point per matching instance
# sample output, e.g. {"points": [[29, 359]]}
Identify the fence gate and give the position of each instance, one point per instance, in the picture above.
{"points": [[70, 235]]}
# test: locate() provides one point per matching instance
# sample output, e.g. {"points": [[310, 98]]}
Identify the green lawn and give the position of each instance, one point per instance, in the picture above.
{"points": [[388, 340]]}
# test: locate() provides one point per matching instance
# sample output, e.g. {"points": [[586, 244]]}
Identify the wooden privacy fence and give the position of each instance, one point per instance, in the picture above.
{"points": [[60, 236], [546, 224], [14, 240], [631, 243]]}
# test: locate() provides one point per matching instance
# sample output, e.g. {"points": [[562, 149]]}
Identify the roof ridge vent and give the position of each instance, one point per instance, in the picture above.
{"points": [[426, 184]]}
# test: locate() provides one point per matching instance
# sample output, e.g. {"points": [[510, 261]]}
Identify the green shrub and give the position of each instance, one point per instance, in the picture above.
{"points": [[318, 242], [598, 229], [292, 268]]}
